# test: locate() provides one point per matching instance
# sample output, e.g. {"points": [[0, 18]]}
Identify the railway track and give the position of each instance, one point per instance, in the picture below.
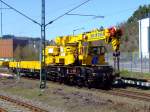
{"points": [[141, 83], [121, 92], [130, 94], [21, 104], [118, 92], [3, 110]]}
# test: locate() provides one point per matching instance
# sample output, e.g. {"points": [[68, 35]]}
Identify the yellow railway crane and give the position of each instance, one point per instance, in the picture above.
{"points": [[75, 60], [80, 45]]}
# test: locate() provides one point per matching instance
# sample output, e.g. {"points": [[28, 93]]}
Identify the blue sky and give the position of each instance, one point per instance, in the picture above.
{"points": [[115, 11]]}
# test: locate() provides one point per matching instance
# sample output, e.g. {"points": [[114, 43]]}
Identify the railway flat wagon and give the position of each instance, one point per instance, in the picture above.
{"points": [[26, 67]]}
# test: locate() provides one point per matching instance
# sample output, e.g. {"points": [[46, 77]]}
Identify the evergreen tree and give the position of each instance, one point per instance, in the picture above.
{"points": [[130, 28]]}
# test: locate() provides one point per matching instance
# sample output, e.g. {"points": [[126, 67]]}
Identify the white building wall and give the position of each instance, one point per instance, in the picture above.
{"points": [[144, 44]]}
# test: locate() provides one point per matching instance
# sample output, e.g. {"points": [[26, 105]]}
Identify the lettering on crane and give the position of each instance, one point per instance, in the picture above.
{"points": [[97, 35]]}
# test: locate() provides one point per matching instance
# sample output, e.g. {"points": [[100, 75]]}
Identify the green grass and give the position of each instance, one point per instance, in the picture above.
{"points": [[126, 73]]}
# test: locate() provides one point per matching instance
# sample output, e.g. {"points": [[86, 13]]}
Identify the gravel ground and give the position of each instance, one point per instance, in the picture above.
{"points": [[62, 98], [11, 107], [6, 84]]}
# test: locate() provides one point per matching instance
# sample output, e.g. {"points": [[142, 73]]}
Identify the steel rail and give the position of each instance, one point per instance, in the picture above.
{"points": [[23, 104], [130, 94], [119, 92], [3, 110]]}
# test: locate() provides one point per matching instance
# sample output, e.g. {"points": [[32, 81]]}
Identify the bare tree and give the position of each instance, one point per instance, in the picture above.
{"points": [[18, 53], [30, 53]]}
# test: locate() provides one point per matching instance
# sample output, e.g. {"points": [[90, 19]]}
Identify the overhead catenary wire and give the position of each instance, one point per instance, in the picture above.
{"points": [[38, 22], [63, 7], [106, 16], [90, 15], [67, 12], [20, 13], [2, 8], [98, 16], [5, 8]]}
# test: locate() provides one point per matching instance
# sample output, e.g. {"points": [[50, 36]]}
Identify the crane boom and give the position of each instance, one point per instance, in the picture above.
{"points": [[109, 35]]}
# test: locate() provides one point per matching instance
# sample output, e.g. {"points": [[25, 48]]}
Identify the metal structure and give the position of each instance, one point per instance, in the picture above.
{"points": [[2, 18], [42, 48], [43, 26], [1, 21]]}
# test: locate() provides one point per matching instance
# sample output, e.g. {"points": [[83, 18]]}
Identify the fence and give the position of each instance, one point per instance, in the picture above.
{"points": [[131, 61]]}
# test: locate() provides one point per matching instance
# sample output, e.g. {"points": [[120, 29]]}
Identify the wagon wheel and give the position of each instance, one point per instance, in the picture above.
{"points": [[80, 82], [107, 81]]}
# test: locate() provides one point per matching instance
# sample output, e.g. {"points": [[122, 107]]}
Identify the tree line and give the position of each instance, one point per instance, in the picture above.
{"points": [[28, 52], [130, 38]]}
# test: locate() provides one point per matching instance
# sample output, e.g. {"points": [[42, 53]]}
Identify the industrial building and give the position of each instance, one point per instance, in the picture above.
{"points": [[8, 44], [144, 37]]}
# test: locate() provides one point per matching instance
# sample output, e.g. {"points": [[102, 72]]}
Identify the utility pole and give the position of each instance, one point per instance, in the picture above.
{"points": [[42, 49], [1, 21], [2, 18]]}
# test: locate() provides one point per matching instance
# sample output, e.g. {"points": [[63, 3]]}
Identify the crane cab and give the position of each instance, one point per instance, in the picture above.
{"points": [[94, 55]]}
